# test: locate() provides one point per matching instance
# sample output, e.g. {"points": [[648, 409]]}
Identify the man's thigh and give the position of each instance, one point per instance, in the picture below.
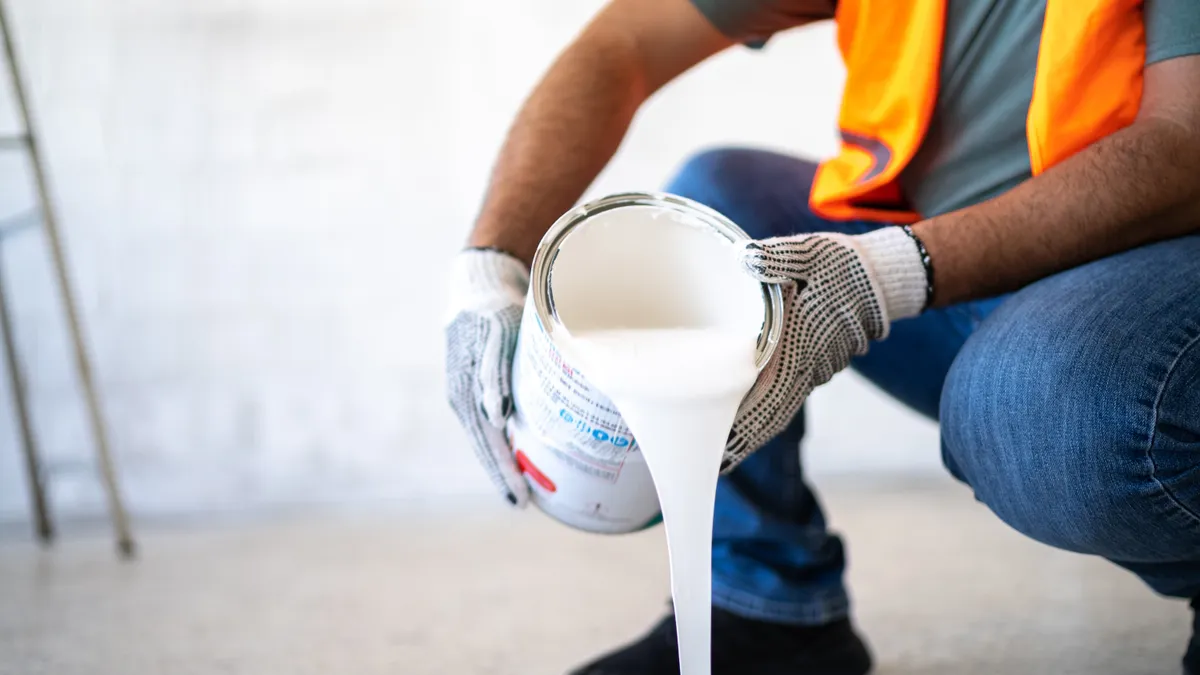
{"points": [[1074, 409]]}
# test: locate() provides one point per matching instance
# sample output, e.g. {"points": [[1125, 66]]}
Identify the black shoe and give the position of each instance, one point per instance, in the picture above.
{"points": [[1191, 660], [745, 647]]}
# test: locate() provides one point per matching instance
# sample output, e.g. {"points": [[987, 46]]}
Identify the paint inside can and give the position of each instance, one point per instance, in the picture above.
{"points": [[627, 255]]}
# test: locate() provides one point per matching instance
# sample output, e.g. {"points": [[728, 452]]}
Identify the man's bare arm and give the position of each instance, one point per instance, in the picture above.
{"points": [[1139, 185], [577, 116]]}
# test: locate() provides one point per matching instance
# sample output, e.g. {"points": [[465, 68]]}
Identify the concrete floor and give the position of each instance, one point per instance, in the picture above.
{"points": [[941, 588]]}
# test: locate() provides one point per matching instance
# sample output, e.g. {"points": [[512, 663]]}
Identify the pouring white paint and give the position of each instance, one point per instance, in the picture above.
{"points": [[671, 338]]}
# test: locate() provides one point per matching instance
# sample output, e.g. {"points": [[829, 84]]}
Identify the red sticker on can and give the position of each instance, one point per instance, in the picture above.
{"points": [[538, 477]]}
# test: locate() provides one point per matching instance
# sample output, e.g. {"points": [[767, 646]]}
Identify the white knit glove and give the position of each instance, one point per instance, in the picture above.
{"points": [[842, 292], [487, 296]]}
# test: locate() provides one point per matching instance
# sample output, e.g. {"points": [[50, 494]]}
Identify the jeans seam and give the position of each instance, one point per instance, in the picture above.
{"points": [[821, 608], [1162, 388]]}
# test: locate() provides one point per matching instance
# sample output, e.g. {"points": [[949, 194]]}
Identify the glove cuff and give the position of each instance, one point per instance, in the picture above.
{"points": [[485, 280], [896, 264]]}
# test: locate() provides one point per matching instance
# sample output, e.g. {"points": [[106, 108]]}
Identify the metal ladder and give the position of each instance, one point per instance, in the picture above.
{"points": [[43, 214]]}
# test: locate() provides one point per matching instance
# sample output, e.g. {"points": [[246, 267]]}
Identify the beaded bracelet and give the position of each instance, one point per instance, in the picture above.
{"points": [[925, 261]]}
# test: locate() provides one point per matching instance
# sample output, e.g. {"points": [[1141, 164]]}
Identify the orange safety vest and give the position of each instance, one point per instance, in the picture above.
{"points": [[1088, 84]]}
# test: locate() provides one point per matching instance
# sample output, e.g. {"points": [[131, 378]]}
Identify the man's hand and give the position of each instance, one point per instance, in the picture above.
{"points": [[487, 296], [843, 291]]}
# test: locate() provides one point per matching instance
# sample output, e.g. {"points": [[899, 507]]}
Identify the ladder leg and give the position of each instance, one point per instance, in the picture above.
{"points": [[108, 474], [43, 526]]}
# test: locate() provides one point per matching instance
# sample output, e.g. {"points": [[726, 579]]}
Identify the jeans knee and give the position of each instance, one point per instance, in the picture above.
{"points": [[1050, 493], [706, 175], [723, 179], [1059, 460]]}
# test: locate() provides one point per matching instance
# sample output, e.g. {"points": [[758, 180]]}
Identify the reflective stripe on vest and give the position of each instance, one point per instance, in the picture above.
{"points": [[1088, 84]]}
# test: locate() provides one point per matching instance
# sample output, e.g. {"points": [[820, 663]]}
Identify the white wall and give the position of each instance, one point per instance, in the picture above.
{"points": [[259, 197]]}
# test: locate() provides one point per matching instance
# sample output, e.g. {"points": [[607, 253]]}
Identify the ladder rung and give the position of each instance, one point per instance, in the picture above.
{"points": [[14, 224], [18, 142]]}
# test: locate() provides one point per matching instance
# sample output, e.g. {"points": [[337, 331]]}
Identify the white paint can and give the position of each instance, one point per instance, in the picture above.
{"points": [[583, 466]]}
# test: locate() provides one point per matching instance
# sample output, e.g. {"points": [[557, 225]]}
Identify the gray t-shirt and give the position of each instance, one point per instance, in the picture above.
{"points": [[975, 147]]}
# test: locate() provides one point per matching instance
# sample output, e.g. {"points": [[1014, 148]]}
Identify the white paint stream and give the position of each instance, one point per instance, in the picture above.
{"points": [[664, 322], [679, 391]]}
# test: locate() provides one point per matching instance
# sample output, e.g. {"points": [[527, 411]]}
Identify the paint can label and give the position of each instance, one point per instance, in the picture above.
{"points": [[582, 464]]}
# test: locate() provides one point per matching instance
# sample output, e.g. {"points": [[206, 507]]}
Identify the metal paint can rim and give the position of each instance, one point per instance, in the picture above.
{"points": [[547, 251]]}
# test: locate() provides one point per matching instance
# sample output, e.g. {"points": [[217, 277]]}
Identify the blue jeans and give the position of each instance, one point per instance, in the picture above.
{"points": [[1071, 408]]}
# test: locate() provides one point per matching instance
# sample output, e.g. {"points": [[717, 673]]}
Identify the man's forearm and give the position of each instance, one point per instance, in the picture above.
{"points": [[1139, 185], [574, 121], [565, 134]]}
